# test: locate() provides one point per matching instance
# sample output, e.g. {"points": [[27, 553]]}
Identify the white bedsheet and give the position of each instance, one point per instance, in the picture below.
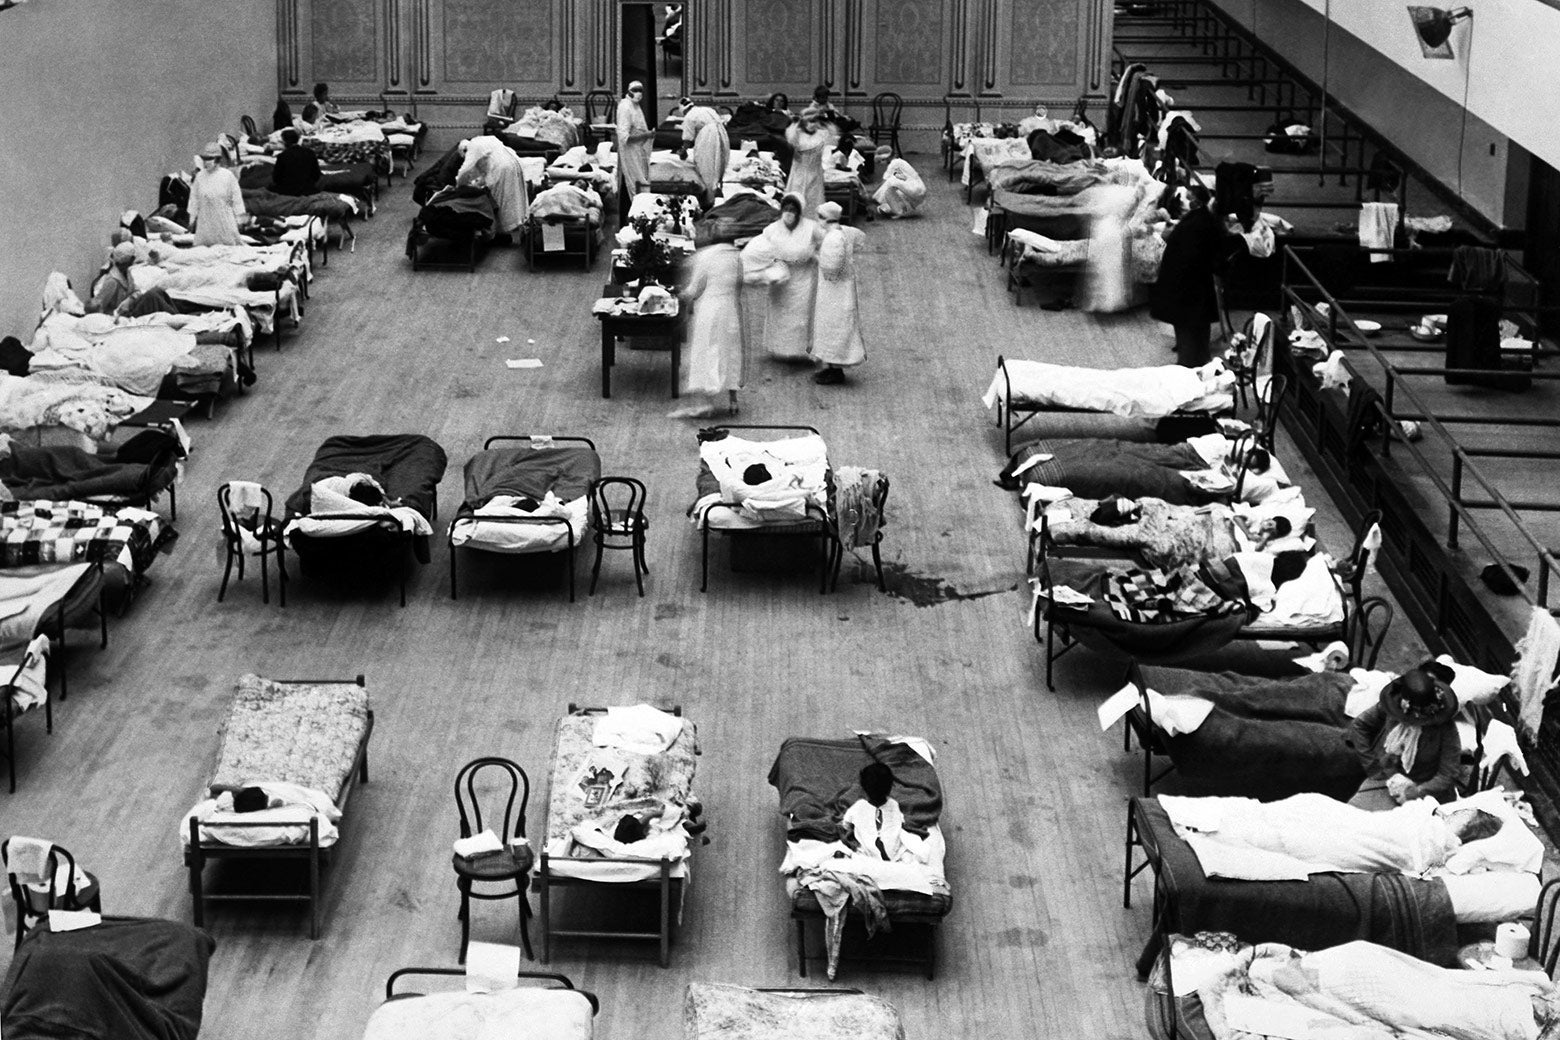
{"points": [[325, 499], [1130, 392], [799, 468], [1313, 600], [286, 824], [507, 537], [920, 871]]}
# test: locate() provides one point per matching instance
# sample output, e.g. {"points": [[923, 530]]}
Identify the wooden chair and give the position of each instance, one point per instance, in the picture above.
{"points": [[252, 531], [10, 711], [34, 900], [1544, 946], [1368, 631], [886, 109], [600, 116], [876, 503], [618, 521], [1247, 357], [251, 131], [511, 864]]}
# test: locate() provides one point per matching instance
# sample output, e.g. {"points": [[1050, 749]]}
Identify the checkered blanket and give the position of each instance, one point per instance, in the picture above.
{"points": [[1156, 596], [35, 531]]}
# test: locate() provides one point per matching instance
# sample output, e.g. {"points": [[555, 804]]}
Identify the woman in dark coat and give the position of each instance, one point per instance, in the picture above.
{"points": [[1182, 297]]}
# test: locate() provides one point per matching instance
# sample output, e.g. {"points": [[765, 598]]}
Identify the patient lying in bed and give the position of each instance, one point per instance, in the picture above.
{"points": [[1310, 833], [356, 495], [272, 812]]}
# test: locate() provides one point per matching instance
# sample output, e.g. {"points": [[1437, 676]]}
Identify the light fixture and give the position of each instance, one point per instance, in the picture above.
{"points": [[1433, 26]]}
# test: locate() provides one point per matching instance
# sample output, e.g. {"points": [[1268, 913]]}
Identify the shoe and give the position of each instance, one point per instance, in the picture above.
{"points": [[829, 376]]}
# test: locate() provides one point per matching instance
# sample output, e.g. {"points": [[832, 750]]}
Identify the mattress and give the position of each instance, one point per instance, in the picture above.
{"points": [[716, 1011], [565, 471], [301, 733], [546, 1014], [642, 781]]}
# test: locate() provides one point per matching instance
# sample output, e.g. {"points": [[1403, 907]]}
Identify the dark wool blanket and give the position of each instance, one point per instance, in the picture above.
{"points": [[817, 780]]}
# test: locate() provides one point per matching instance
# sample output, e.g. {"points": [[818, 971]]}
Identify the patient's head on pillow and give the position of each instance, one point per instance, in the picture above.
{"points": [[877, 780], [250, 799], [757, 473], [1470, 825], [1258, 460], [367, 493]]}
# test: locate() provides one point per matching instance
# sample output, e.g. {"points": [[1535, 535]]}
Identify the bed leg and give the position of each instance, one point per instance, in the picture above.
{"points": [[1050, 656], [453, 594], [1126, 870], [877, 564], [64, 687], [10, 757], [666, 913], [801, 947], [570, 565], [173, 500], [314, 877], [192, 856], [525, 919], [931, 952], [704, 577], [464, 914], [546, 914], [281, 573], [265, 580]]}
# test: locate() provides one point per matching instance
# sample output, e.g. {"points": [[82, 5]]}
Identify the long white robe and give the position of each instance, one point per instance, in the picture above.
{"points": [[633, 156], [216, 204], [789, 317], [490, 164], [806, 178], [711, 147], [716, 354], [836, 321]]}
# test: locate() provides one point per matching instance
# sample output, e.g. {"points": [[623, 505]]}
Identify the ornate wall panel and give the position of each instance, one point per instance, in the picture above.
{"points": [[909, 42], [779, 42], [344, 40], [1044, 44], [512, 41]]}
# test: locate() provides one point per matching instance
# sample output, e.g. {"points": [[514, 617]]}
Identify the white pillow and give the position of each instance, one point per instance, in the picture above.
{"points": [[1473, 685]]}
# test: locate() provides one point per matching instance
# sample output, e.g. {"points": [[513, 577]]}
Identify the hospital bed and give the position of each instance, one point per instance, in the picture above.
{"points": [[816, 780], [719, 1011], [1418, 916], [542, 1010], [309, 738], [1318, 606], [408, 466], [462, 217], [1020, 390], [128, 978], [793, 501], [526, 493], [135, 471], [609, 763], [564, 221]]}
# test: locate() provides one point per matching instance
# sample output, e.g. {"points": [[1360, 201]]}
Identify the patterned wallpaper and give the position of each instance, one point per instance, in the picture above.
{"points": [[780, 41], [1045, 44], [344, 47], [503, 42], [909, 41]]}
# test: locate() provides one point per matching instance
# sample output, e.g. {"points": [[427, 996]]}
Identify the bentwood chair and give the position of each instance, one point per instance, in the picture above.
{"points": [[886, 109], [250, 528], [12, 707], [618, 521], [600, 115], [56, 889], [511, 865]]}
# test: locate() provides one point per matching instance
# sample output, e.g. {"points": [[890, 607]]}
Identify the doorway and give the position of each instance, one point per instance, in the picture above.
{"points": [[651, 49]]}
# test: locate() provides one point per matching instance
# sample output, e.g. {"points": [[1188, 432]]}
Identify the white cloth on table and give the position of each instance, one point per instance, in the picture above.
{"points": [[641, 728], [1534, 671], [1378, 228]]}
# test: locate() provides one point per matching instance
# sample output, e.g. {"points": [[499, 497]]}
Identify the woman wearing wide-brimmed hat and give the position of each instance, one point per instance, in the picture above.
{"points": [[1409, 737]]}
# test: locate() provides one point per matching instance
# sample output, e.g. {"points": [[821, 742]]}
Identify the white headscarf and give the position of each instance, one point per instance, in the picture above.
{"points": [[59, 298]]}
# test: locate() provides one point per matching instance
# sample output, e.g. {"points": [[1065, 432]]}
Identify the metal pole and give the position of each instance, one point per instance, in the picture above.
{"points": [[1321, 155]]}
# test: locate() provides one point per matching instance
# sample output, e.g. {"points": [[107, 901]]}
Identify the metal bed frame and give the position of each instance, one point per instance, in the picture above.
{"points": [[664, 884], [526, 438], [198, 853]]}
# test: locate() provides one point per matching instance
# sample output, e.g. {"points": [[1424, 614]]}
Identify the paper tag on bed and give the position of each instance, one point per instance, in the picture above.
{"points": [[491, 967], [540, 441], [552, 238]]}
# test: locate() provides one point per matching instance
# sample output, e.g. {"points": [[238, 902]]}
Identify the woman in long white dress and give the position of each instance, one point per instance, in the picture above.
{"points": [[490, 164], [837, 341], [786, 254], [705, 134], [634, 138], [715, 360], [808, 138], [216, 203]]}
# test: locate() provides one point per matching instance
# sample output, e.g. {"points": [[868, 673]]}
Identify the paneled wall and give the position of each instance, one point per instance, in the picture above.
{"points": [[442, 57], [102, 98]]}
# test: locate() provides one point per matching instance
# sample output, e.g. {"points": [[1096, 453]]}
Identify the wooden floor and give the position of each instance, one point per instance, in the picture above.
{"points": [[1037, 943]]}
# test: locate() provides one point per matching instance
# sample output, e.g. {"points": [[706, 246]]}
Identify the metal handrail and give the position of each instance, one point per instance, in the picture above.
{"points": [[1546, 558]]}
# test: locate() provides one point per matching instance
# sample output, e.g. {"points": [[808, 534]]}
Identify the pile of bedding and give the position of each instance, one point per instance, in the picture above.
{"points": [[716, 1011], [1164, 535], [559, 127], [765, 482], [521, 482], [567, 202], [65, 399], [1152, 391], [558, 1014], [40, 531], [141, 468]]}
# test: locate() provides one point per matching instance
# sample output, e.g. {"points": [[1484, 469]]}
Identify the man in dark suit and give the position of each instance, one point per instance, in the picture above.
{"points": [[297, 170], [1196, 249]]}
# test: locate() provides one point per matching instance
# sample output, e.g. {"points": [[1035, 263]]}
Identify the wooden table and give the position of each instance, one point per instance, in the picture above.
{"points": [[621, 326]]}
